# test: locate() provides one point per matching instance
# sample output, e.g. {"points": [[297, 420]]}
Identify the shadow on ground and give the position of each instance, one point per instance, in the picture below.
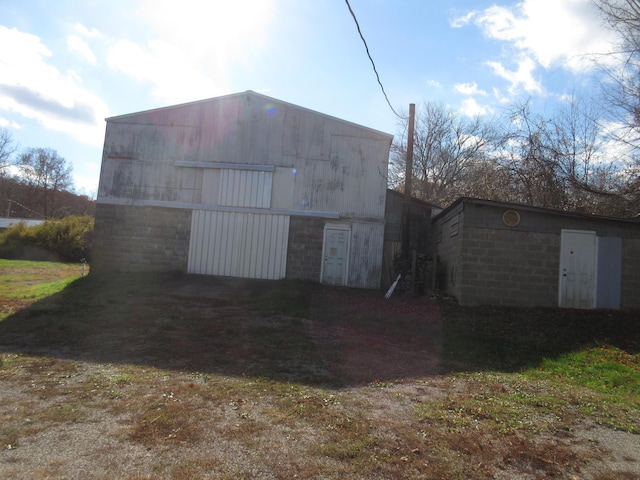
{"points": [[296, 331]]}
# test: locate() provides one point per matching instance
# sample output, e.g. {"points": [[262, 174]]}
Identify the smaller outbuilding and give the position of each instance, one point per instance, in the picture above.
{"points": [[508, 254], [420, 238]]}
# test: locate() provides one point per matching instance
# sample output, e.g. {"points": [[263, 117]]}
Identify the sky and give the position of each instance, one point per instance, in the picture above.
{"points": [[66, 65]]}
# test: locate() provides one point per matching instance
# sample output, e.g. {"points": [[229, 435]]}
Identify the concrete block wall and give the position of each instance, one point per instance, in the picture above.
{"points": [[304, 250], [509, 267], [448, 247], [630, 294], [130, 238]]}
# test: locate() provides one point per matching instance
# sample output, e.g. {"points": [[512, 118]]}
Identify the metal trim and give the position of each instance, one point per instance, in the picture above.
{"points": [[231, 166]]}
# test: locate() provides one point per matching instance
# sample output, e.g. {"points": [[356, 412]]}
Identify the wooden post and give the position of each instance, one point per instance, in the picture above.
{"points": [[406, 238], [414, 264]]}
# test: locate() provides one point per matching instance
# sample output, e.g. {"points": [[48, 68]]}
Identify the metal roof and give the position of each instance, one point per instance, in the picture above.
{"points": [[550, 211]]}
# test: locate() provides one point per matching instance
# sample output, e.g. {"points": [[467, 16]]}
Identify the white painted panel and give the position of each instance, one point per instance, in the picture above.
{"points": [[236, 244], [245, 188], [365, 259], [578, 269], [284, 181]]}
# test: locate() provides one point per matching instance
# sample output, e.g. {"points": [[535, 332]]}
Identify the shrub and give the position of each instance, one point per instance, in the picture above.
{"points": [[68, 240]]}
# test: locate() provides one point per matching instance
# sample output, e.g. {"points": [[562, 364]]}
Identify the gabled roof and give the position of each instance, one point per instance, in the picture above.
{"points": [[550, 211], [249, 94]]}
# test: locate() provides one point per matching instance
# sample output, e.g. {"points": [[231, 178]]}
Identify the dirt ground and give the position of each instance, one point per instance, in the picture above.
{"points": [[239, 400]]}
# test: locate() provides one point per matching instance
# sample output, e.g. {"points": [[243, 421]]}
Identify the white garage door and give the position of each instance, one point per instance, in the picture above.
{"points": [[247, 245]]}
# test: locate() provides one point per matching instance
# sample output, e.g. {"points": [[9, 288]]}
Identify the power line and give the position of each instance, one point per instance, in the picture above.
{"points": [[24, 207], [372, 62]]}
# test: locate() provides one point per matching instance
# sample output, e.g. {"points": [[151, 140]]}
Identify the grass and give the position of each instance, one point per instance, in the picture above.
{"points": [[24, 282], [187, 377]]}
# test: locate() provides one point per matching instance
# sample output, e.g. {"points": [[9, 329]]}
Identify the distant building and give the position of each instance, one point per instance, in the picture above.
{"points": [[6, 223]]}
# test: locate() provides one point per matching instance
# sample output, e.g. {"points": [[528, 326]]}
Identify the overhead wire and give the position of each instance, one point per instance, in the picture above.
{"points": [[373, 64]]}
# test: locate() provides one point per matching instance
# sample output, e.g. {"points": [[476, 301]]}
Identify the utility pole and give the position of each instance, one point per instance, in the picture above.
{"points": [[406, 238]]}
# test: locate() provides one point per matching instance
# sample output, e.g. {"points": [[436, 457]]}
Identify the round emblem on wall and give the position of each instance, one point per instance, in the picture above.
{"points": [[511, 218]]}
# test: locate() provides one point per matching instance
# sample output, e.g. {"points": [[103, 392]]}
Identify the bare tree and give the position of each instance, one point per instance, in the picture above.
{"points": [[47, 173], [7, 149], [561, 161], [446, 145], [621, 88]]}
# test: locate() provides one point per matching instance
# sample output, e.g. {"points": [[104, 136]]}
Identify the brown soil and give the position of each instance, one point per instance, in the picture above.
{"points": [[183, 381]]}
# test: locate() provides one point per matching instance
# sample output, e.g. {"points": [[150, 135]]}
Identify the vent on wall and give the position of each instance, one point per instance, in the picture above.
{"points": [[511, 218]]}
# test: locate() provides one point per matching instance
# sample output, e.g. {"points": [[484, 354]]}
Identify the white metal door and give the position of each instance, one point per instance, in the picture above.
{"points": [[335, 252], [238, 244], [578, 268]]}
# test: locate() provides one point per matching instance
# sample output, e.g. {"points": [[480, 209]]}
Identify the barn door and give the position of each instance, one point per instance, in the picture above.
{"points": [[335, 254], [578, 268], [238, 244]]}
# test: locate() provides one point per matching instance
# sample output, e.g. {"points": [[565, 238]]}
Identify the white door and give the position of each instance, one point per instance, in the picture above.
{"points": [[335, 253], [578, 268]]}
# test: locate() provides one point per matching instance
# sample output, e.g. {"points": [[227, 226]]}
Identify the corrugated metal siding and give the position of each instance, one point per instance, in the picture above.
{"points": [[238, 244], [138, 163], [352, 182], [340, 167], [244, 188], [365, 263]]}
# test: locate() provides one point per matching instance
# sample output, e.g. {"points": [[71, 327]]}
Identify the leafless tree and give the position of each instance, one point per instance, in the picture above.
{"points": [[621, 87], [446, 145], [47, 173], [7, 149], [561, 161]]}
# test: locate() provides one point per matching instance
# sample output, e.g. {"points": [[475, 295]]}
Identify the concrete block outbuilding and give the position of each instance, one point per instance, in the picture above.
{"points": [[507, 254]]}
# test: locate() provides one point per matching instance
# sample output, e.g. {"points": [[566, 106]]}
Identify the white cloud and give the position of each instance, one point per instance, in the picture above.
{"points": [[463, 21], [522, 77], [76, 44], [469, 89], [471, 108], [86, 32], [4, 123], [194, 45], [566, 34], [433, 84], [33, 88], [174, 77], [553, 33]]}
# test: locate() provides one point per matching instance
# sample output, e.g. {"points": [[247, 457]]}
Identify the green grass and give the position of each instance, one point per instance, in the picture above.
{"points": [[35, 291], [24, 282], [603, 369]]}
